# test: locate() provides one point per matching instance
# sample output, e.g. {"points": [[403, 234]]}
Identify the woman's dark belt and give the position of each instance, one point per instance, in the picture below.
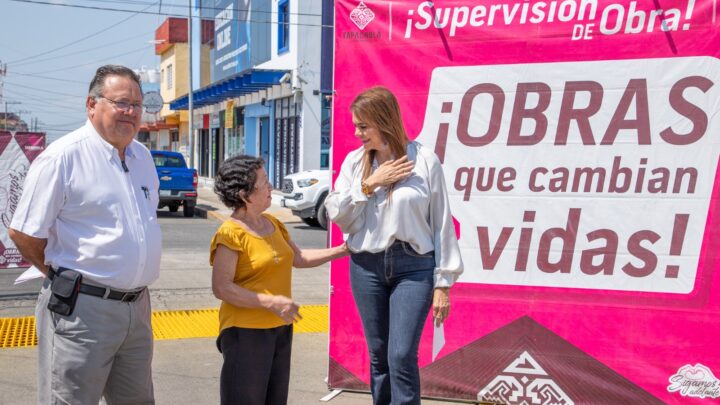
{"points": [[103, 292]]}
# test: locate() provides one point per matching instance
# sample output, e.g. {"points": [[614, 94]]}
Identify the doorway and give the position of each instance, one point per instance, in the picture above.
{"points": [[265, 142], [204, 152]]}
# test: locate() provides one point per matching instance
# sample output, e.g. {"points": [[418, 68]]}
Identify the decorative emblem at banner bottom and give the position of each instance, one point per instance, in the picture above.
{"points": [[524, 382], [362, 15], [695, 381]]}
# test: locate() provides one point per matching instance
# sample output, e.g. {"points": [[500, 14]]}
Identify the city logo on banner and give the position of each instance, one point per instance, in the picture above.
{"points": [[524, 382], [695, 381], [361, 16]]}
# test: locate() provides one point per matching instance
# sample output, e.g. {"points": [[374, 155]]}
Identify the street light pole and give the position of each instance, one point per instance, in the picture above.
{"points": [[191, 129], [6, 110]]}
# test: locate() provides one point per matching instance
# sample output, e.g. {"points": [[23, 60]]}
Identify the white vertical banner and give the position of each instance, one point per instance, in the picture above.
{"points": [[16, 154]]}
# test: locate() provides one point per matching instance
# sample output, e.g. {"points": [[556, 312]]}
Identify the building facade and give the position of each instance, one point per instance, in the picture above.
{"points": [[170, 130], [265, 97], [9, 121]]}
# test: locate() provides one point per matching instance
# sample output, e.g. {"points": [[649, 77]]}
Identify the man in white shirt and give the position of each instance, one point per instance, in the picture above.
{"points": [[87, 221]]}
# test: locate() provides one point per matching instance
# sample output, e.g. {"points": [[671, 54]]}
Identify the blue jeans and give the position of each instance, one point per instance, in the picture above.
{"points": [[393, 292]]}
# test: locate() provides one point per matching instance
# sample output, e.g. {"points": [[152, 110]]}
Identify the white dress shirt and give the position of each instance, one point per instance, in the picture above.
{"points": [[97, 218], [418, 212]]}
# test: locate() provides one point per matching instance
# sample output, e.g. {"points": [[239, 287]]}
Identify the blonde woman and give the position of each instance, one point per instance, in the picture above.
{"points": [[390, 197]]}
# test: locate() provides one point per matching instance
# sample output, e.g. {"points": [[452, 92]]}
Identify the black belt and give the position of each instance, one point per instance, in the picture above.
{"points": [[103, 292]]}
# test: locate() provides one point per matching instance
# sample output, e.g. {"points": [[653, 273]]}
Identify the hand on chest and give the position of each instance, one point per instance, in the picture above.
{"points": [[407, 194]]}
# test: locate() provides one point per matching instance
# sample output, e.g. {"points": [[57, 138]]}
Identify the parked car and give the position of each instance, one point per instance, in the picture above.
{"points": [[304, 193], [178, 184]]}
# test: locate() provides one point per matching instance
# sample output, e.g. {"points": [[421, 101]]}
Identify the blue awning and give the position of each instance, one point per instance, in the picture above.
{"points": [[237, 85]]}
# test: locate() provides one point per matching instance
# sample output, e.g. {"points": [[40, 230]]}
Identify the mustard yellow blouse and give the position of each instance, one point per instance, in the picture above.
{"points": [[264, 265]]}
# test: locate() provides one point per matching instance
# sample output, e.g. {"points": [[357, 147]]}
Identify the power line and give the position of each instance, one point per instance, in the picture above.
{"points": [[50, 103], [43, 90], [42, 128], [43, 107], [60, 127], [43, 102], [182, 6], [47, 112], [93, 62], [82, 51], [76, 41], [46, 77], [166, 14], [70, 124]]}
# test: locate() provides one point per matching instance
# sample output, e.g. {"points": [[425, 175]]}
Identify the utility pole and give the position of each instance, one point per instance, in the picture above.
{"points": [[191, 129], [20, 113], [3, 72], [6, 110]]}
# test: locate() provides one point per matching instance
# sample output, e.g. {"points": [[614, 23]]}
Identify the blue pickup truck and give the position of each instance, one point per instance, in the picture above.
{"points": [[178, 184]]}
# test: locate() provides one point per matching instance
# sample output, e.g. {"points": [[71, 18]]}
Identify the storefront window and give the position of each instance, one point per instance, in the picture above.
{"points": [[287, 115], [235, 136]]}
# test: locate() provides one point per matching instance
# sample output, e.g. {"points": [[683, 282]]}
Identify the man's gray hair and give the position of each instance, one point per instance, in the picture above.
{"points": [[97, 85]]}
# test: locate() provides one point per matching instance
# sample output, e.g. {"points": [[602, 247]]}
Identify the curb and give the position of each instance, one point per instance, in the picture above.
{"points": [[201, 211], [208, 212], [205, 211]]}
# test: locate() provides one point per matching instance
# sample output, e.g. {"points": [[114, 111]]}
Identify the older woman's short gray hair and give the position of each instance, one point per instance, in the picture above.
{"points": [[236, 179]]}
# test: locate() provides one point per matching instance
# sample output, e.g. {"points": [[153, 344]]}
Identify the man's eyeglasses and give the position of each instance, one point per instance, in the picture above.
{"points": [[124, 106]]}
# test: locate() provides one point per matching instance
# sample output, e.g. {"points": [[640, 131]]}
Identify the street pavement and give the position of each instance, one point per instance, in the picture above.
{"points": [[186, 371]]}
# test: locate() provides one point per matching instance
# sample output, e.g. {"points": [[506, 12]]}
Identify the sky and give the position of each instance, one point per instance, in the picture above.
{"points": [[52, 51]]}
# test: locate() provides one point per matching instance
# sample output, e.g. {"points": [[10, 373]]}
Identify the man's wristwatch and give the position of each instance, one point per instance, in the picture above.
{"points": [[366, 189]]}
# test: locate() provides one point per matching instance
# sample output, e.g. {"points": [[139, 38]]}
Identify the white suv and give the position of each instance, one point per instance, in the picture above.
{"points": [[304, 193]]}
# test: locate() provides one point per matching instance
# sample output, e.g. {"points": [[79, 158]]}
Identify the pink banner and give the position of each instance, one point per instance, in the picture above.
{"points": [[576, 141], [16, 153]]}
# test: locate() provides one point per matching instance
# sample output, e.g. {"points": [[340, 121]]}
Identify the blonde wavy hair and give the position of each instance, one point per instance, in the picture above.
{"points": [[379, 108]]}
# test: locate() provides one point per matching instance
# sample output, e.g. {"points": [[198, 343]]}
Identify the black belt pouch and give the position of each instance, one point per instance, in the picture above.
{"points": [[65, 288]]}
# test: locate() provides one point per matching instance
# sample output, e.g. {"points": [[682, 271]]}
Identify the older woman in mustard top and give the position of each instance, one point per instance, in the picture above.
{"points": [[252, 257]]}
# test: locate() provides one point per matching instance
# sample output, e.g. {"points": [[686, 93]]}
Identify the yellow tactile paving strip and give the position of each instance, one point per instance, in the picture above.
{"points": [[20, 332], [17, 332]]}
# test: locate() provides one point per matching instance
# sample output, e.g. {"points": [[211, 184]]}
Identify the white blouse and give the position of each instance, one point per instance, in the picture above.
{"points": [[418, 212]]}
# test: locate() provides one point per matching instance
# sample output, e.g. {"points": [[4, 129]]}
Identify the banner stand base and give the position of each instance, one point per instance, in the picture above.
{"points": [[331, 395]]}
